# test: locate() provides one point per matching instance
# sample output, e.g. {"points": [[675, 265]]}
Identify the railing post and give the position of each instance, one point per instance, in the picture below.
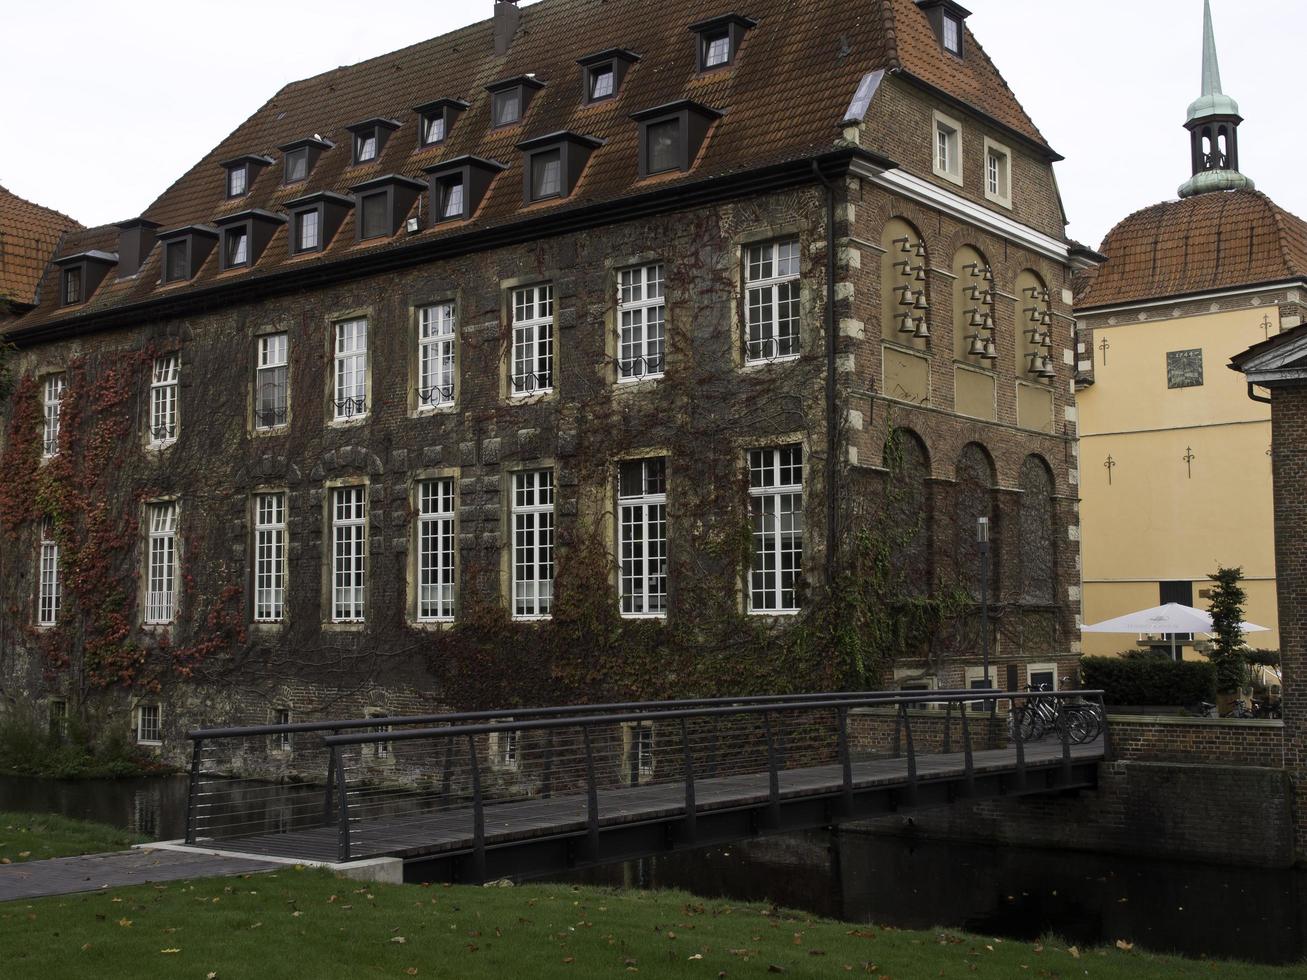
{"points": [[193, 790], [968, 763], [712, 753], [478, 813], [896, 744], [688, 761], [328, 810], [343, 842], [591, 794], [1064, 729], [1107, 735], [1017, 715], [846, 757], [773, 774], [912, 755], [948, 726], [547, 781]]}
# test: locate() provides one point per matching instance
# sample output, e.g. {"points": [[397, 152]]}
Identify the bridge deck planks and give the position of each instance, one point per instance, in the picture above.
{"points": [[452, 830]]}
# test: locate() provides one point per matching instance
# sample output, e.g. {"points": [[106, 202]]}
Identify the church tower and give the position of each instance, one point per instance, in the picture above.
{"points": [[1213, 123]]}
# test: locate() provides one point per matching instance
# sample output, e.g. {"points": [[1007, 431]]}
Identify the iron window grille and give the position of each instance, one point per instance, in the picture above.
{"points": [[72, 286], [351, 400], [149, 727], [272, 382], [642, 536], [50, 589], [533, 340], [436, 340], [348, 553], [163, 400], [776, 507], [435, 534], [533, 544], [269, 557], [51, 402], [771, 276], [161, 570], [642, 328]]}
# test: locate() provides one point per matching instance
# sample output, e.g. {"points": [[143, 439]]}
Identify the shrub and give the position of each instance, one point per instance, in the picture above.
{"points": [[28, 748], [1150, 680]]}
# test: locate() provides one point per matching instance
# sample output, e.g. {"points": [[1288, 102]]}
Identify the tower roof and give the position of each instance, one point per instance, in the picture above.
{"points": [[1212, 120], [1212, 101]]}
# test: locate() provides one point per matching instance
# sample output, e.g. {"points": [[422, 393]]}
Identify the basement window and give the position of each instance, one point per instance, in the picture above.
{"points": [[149, 726]]}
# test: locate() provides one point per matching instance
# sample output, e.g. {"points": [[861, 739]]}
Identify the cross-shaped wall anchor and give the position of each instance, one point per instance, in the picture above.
{"points": [[1109, 464], [1266, 326], [1104, 346], [1189, 458]]}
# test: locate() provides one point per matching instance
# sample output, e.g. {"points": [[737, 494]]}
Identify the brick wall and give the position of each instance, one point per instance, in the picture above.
{"points": [[876, 730], [1214, 741]]}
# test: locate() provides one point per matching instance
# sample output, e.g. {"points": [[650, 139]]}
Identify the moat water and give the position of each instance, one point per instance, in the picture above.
{"points": [[1198, 910]]}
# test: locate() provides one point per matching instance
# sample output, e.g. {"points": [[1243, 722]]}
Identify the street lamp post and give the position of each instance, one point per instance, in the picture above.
{"points": [[982, 542]]}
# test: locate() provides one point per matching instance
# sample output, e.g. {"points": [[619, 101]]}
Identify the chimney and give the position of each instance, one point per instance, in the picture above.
{"points": [[506, 19], [135, 239]]}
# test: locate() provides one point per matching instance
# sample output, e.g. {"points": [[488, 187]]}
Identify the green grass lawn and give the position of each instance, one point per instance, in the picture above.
{"points": [[310, 924], [34, 836]]}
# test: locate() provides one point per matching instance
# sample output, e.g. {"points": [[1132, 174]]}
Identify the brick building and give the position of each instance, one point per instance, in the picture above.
{"points": [[558, 357]]}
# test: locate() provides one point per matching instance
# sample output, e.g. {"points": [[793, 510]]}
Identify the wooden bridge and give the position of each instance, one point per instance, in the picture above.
{"points": [[476, 796]]}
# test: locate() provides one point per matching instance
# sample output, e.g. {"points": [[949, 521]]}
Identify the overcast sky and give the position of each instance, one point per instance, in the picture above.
{"points": [[90, 126]]}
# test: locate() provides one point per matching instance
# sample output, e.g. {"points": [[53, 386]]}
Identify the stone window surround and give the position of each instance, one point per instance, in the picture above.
{"points": [[613, 532], [506, 290], [415, 478], [177, 558], [1003, 197], [506, 474], [252, 510], [329, 487], [742, 447], [333, 321], [414, 402], [954, 172], [738, 249]]}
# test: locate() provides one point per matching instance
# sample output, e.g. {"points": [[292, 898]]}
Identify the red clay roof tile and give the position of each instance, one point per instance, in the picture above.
{"points": [[29, 235]]}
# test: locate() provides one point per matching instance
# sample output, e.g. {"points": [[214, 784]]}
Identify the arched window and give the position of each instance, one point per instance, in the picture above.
{"points": [[1035, 326], [907, 510], [1038, 543], [973, 309], [905, 304], [974, 498]]}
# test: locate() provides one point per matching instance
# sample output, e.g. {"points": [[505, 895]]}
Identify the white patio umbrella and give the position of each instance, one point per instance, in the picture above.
{"points": [[1170, 618]]}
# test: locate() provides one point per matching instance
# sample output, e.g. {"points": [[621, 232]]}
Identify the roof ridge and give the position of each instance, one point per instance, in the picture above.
{"points": [[890, 23], [1010, 91], [40, 207]]}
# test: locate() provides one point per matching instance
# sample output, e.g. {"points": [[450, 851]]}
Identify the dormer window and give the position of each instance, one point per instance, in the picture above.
{"points": [[370, 138], [245, 235], [382, 205], [719, 40], [72, 285], [671, 135], [315, 219], [603, 71], [946, 18], [301, 156], [436, 119], [185, 249], [458, 186], [510, 98], [554, 163], [242, 172]]}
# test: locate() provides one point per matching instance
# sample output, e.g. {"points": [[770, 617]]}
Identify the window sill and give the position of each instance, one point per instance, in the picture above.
{"points": [[268, 625], [645, 616], [150, 743], [449, 408], [431, 625], [945, 175], [262, 431], [156, 625], [763, 362], [345, 626], [529, 397], [546, 617], [646, 382], [1003, 202], [158, 447], [350, 422], [43, 627], [775, 613]]}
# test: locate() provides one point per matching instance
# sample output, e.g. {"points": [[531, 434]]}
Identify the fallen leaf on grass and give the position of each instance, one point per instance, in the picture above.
{"points": [[173, 950], [1122, 944], [125, 923], [1073, 951], [398, 939], [412, 971]]}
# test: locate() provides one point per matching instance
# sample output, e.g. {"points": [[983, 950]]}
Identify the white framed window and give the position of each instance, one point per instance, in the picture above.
{"points": [[505, 749], [436, 356], [435, 552], [533, 340], [641, 319], [351, 385], [948, 148], [380, 750], [771, 279], [1042, 677], [236, 181], [601, 83], [433, 128], [163, 400], [952, 35], [776, 507], [716, 50], [51, 399], [282, 739], [642, 536], [998, 173], [161, 563], [272, 382], [975, 678], [533, 544], [149, 724], [269, 557], [644, 751], [348, 553], [50, 588]]}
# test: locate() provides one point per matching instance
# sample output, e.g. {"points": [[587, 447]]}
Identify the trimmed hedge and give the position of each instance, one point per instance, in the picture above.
{"points": [[1149, 680]]}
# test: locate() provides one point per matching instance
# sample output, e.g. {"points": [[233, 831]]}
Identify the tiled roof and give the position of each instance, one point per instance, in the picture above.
{"points": [[1210, 242], [29, 234], [783, 99]]}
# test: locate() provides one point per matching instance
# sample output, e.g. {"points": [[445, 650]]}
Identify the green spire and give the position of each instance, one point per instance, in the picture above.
{"points": [[1213, 102]]}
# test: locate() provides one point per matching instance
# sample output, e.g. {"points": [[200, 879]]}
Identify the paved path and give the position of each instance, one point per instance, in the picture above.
{"points": [[91, 872]]}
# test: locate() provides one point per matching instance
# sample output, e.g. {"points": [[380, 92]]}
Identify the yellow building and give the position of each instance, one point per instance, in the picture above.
{"points": [[1174, 455]]}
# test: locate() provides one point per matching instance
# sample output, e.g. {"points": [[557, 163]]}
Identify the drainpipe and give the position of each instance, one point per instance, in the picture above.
{"points": [[832, 402], [1256, 397]]}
